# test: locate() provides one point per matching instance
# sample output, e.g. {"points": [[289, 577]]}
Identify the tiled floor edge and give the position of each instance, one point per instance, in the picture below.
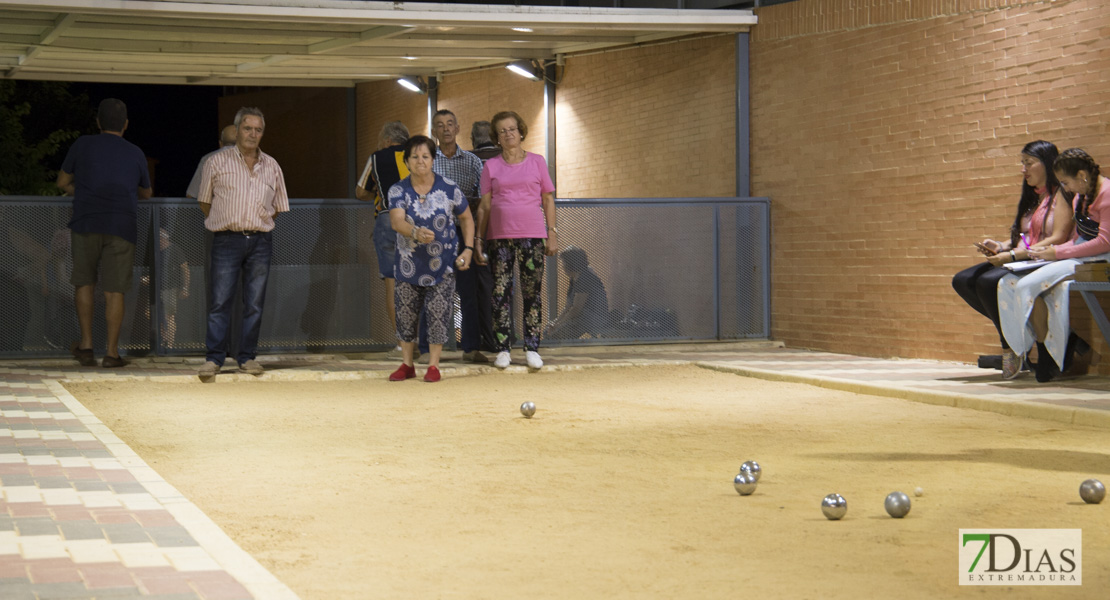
{"points": [[1016, 408], [261, 583]]}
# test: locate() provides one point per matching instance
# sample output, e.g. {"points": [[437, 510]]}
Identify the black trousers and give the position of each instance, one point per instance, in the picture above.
{"points": [[978, 286]]}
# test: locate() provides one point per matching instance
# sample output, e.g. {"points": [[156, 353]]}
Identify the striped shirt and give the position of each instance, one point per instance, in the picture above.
{"points": [[242, 199]]}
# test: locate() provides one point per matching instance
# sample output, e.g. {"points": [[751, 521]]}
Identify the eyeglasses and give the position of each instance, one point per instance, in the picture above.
{"points": [[508, 130]]}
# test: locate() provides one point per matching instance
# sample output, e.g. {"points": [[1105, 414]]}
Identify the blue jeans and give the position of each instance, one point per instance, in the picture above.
{"points": [[235, 255]]}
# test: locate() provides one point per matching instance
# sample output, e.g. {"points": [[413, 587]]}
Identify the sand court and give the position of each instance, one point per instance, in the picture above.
{"points": [[619, 487]]}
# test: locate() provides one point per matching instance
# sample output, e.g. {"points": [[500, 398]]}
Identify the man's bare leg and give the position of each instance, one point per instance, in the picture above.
{"points": [[113, 315], [83, 298]]}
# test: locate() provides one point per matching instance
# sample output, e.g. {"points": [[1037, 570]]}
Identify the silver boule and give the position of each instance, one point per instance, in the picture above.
{"points": [[528, 409], [752, 468], [1092, 491], [897, 504], [834, 506], [744, 484]]}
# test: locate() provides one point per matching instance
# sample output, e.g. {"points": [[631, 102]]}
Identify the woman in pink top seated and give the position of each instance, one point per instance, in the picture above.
{"points": [[1035, 308], [516, 225]]}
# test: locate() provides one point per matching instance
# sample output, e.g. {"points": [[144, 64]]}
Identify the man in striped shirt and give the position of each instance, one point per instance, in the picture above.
{"points": [[242, 190], [475, 285]]}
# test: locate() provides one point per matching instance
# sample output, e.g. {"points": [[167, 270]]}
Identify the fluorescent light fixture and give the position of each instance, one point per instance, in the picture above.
{"points": [[525, 68], [413, 84], [523, 29]]}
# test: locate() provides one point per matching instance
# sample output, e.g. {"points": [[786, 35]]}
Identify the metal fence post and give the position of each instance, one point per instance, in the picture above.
{"points": [[717, 270]]}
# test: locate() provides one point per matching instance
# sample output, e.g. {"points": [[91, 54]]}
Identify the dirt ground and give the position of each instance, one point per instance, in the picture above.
{"points": [[619, 487]]}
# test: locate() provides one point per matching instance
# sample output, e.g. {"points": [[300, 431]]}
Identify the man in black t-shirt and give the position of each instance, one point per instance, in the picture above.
{"points": [[106, 175]]}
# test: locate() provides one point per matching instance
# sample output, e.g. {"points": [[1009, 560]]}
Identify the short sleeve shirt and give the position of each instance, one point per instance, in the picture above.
{"points": [[384, 168], [516, 203], [107, 174], [426, 264]]}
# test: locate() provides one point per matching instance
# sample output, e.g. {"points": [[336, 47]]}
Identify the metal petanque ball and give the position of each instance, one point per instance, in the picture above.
{"points": [[1092, 491], [744, 484], [834, 506], [897, 504], [528, 409], [752, 468]]}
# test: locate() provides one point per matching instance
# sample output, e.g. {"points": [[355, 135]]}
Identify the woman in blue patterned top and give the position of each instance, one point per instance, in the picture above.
{"points": [[423, 208]]}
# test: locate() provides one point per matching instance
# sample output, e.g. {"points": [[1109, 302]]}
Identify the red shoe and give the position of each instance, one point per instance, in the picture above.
{"points": [[432, 375], [402, 373]]}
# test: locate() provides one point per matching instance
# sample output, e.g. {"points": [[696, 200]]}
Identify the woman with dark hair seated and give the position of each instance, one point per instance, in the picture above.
{"points": [[1035, 308], [423, 208], [587, 307], [1044, 217]]}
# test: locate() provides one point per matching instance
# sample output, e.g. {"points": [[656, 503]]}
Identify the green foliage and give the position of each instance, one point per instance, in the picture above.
{"points": [[38, 121]]}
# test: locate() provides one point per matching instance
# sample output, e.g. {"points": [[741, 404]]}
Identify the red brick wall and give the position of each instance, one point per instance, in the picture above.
{"points": [[624, 117], [887, 135], [380, 102], [478, 95]]}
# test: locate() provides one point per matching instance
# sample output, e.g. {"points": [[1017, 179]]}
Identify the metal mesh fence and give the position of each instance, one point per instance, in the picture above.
{"points": [[675, 269]]}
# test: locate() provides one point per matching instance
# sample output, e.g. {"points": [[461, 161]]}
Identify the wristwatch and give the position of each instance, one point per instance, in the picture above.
{"points": [[554, 229]]}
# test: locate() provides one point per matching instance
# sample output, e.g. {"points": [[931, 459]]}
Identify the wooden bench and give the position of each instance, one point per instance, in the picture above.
{"points": [[1087, 289]]}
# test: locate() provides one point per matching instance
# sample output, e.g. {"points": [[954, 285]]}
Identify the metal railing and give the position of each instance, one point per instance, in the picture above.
{"points": [[673, 269]]}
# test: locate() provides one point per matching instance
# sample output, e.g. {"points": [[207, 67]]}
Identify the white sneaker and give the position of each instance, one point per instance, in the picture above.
{"points": [[502, 361], [533, 359]]}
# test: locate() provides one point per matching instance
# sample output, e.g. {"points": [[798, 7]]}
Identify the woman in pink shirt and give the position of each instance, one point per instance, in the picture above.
{"points": [[1035, 308], [516, 225]]}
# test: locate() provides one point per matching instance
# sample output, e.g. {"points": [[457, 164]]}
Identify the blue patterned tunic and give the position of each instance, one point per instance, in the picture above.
{"points": [[426, 264]]}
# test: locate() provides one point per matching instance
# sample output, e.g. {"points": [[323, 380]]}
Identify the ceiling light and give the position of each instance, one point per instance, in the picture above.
{"points": [[525, 68], [414, 84], [523, 29]]}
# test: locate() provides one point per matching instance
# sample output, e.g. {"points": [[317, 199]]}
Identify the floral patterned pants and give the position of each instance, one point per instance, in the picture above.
{"points": [[528, 254], [437, 301]]}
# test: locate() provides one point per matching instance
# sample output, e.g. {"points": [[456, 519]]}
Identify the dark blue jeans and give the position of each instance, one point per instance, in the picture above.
{"points": [[235, 255]]}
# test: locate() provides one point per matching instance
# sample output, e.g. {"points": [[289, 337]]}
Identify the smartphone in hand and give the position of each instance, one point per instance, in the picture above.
{"points": [[985, 251]]}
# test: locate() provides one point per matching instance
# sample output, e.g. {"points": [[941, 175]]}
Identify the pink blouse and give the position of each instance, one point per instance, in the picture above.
{"points": [[1036, 224], [1098, 211]]}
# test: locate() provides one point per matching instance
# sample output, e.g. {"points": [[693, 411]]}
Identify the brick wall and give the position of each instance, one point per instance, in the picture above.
{"points": [[478, 95], [887, 134], [625, 117], [622, 117], [380, 102]]}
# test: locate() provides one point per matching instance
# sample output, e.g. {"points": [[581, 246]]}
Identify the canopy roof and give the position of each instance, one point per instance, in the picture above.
{"points": [[312, 42]]}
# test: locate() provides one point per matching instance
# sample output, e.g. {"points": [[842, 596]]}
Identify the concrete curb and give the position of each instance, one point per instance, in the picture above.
{"points": [[1012, 408]]}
